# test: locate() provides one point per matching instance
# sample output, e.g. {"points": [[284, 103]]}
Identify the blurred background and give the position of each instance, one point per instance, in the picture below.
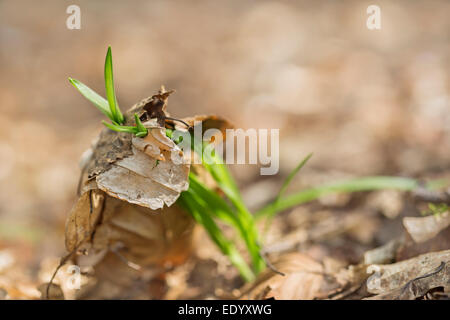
{"points": [[363, 101]]}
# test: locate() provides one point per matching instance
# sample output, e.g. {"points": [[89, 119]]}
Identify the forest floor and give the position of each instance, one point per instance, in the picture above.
{"points": [[365, 103]]}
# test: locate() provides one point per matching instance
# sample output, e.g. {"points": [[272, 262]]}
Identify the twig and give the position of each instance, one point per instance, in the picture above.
{"points": [[263, 255], [179, 120], [61, 263]]}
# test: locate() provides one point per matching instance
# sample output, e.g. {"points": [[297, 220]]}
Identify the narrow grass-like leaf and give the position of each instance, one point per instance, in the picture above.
{"points": [[346, 186], [220, 209], [141, 134], [110, 91], [118, 128], [98, 101], [284, 187], [291, 176], [225, 181], [192, 203], [221, 174], [141, 130]]}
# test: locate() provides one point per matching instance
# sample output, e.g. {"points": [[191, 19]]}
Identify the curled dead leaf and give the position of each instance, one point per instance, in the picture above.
{"points": [[124, 219], [411, 278]]}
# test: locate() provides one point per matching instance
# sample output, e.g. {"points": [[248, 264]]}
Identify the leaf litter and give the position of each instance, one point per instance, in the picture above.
{"points": [[132, 242], [401, 268]]}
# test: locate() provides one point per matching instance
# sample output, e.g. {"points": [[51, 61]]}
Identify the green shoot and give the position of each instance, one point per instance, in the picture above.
{"points": [[221, 208], [169, 134], [435, 209], [207, 202], [285, 185], [201, 211], [117, 116], [202, 202], [225, 181], [291, 176], [206, 205], [98, 101], [140, 131], [110, 107], [346, 186]]}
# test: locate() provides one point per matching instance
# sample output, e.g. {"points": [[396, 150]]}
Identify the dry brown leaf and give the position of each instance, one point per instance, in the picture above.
{"points": [[437, 279], [393, 276], [111, 146], [120, 222], [303, 279], [79, 225], [123, 167], [207, 122], [410, 248], [422, 229], [420, 287], [140, 179]]}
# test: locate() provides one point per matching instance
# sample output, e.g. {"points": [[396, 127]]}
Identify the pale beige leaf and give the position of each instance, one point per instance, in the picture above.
{"points": [[148, 148], [166, 173], [127, 185], [383, 254], [422, 229], [154, 143], [419, 287], [391, 276]]}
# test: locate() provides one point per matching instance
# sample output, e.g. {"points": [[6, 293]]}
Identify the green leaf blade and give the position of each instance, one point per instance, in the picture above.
{"points": [[110, 91], [192, 203], [98, 101], [283, 189], [117, 128], [141, 130], [291, 176], [345, 186], [222, 176]]}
